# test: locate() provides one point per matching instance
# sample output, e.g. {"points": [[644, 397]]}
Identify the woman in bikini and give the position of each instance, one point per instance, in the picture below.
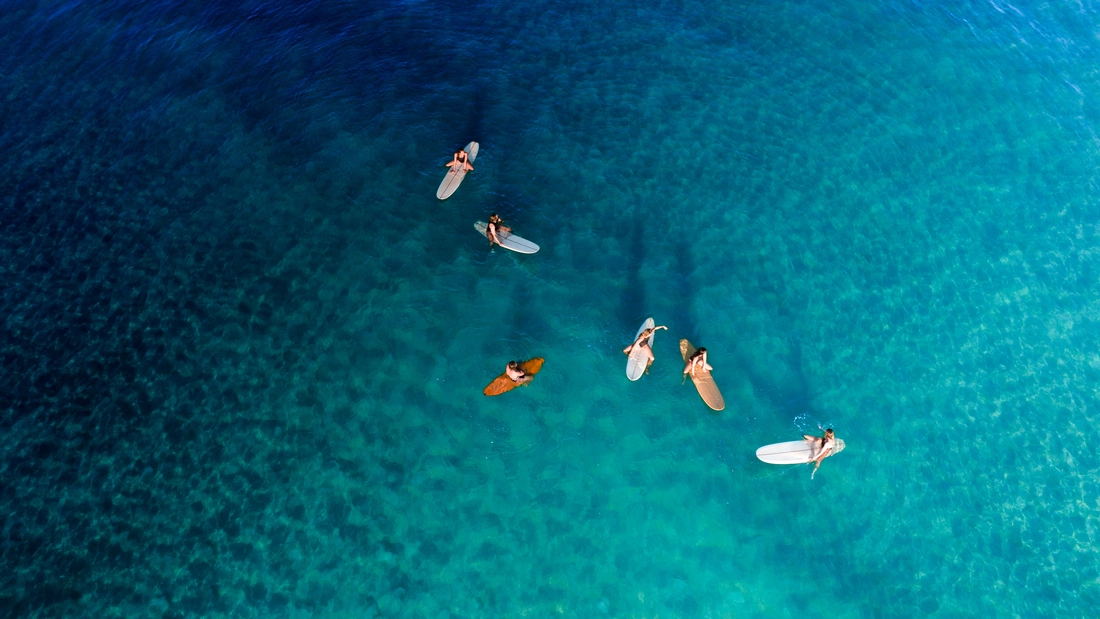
{"points": [[461, 161], [698, 361], [515, 373], [825, 446], [642, 343], [496, 227]]}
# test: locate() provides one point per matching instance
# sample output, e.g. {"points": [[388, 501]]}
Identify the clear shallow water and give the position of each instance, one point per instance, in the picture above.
{"points": [[244, 345]]}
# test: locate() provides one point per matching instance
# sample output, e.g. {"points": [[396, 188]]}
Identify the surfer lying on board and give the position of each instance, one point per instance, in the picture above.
{"points": [[516, 374], [642, 343], [460, 162], [825, 445], [496, 226], [698, 361]]}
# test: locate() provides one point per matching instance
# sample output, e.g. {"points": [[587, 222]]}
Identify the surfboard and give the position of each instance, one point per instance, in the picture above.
{"points": [[503, 384], [454, 178], [794, 452], [704, 382], [636, 364], [508, 240]]}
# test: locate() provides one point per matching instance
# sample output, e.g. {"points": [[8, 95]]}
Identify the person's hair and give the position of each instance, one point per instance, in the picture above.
{"points": [[828, 432], [702, 349]]}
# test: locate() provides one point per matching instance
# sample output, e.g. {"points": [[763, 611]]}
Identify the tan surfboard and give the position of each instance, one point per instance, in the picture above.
{"points": [[454, 177], [704, 382]]}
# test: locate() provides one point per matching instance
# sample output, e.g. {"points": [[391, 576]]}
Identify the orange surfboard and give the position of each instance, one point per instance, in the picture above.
{"points": [[503, 384]]}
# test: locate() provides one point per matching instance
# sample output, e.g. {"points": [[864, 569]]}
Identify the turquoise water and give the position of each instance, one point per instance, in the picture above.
{"points": [[244, 345]]}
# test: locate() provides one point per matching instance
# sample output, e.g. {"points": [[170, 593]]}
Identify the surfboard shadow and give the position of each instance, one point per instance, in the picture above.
{"points": [[475, 118], [632, 297], [527, 318], [792, 397], [685, 291]]}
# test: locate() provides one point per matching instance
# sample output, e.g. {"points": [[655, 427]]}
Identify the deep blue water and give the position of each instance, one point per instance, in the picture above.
{"points": [[244, 345]]}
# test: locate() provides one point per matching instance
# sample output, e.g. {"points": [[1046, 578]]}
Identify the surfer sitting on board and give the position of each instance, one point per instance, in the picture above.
{"points": [[516, 374], [698, 360], [496, 226], [642, 343], [460, 162], [825, 444]]}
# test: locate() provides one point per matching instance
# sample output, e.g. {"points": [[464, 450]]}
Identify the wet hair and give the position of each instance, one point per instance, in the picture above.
{"points": [[703, 349], [513, 365]]}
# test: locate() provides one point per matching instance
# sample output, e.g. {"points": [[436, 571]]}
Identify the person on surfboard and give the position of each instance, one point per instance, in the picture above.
{"points": [[515, 373], [698, 361], [642, 343], [496, 226], [826, 445], [460, 162]]}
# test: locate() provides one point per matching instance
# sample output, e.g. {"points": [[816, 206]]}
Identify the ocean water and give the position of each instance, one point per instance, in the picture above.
{"points": [[244, 345]]}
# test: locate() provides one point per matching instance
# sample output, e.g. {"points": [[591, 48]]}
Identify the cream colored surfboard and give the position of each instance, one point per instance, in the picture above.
{"points": [[794, 452], [508, 240], [454, 178], [636, 364]]}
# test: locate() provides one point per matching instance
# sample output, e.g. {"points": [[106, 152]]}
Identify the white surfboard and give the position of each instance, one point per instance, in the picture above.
{"points": [[508, 240], [454, 177], [793, 452], [636, 364]]}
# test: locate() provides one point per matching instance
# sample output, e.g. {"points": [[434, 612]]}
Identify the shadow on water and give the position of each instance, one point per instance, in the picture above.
{"points": [[632, 298], [791, 397], [441, 247], [681, 317], [474, 129], [527, 319]]}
